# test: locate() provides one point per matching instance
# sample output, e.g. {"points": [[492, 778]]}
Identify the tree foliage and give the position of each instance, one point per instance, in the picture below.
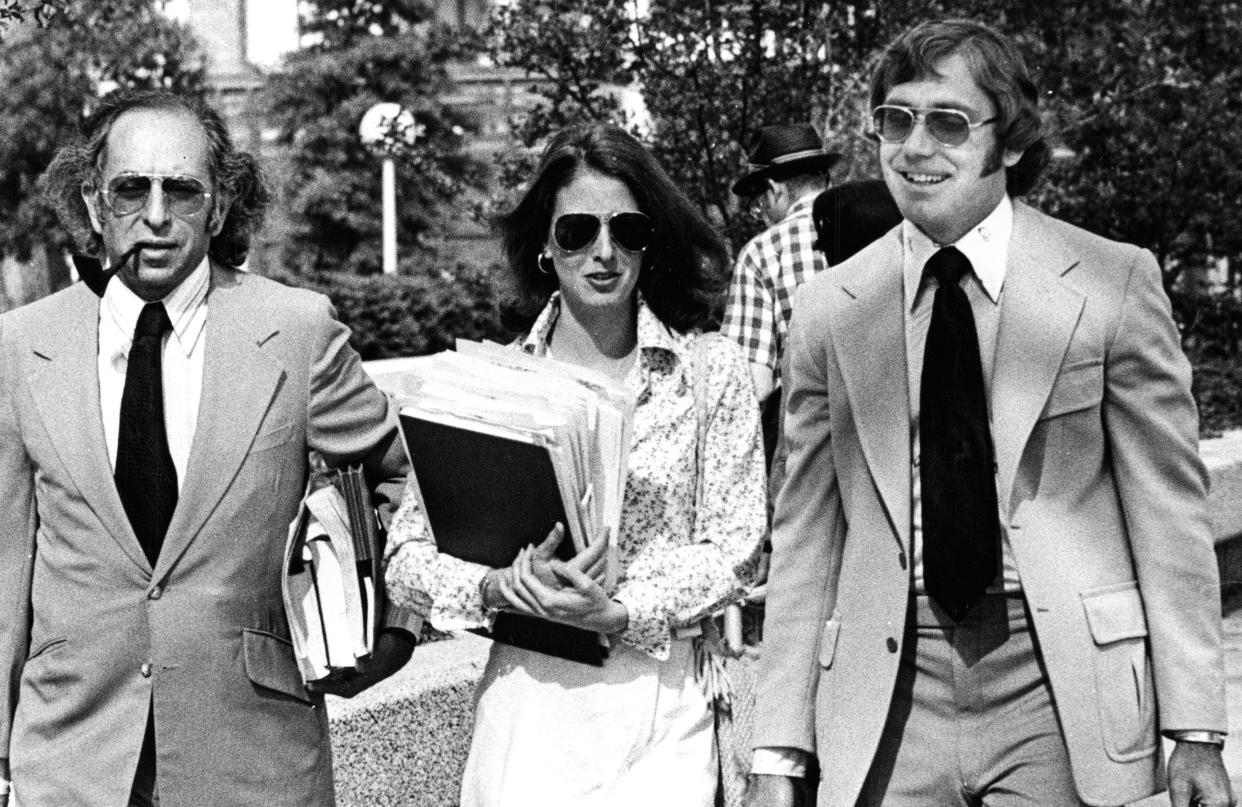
{"points": [[53, 74], [1142, 97], [368, 52], [708, 74]]}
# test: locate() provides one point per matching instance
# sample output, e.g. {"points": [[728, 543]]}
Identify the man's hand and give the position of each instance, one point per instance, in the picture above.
{"points": [[392, 651], [1197, 777], [766, 790]]}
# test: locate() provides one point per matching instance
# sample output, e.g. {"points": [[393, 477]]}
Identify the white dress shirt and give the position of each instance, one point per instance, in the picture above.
{"points": [[183, 350]]}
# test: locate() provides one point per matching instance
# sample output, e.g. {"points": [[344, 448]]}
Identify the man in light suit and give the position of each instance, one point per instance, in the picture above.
{"points": [[1017, 614], [150, 472]]}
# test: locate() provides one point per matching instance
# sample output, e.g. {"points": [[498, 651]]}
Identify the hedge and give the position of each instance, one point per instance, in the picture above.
{"points": [[410, 315]]}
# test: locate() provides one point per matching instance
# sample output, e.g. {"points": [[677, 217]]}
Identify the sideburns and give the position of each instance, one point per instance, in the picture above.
{"points": [[995, 161]]}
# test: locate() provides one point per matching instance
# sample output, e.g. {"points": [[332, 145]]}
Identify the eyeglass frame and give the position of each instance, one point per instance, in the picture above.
{"points": [[604, 221], [105, 192], [919, 115]]}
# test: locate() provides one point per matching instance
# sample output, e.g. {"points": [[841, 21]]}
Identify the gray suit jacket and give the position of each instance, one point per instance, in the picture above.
{"points": [[91, 636], [1101, 489]]}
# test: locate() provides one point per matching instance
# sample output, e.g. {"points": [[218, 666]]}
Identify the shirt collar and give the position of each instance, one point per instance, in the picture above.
{"points": [[184, 305], [652, 334], [986, 245], [802, 206]]}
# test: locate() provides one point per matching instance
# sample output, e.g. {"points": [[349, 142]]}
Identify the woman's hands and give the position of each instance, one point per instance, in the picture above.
{"points": [[542, 585]]}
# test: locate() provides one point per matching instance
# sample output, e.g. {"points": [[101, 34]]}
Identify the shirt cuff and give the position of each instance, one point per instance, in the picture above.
{"points": [[779, 761], [648, 628]]}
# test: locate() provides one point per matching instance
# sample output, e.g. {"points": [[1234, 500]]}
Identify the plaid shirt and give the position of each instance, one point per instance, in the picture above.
{"points": [[768, 270]]}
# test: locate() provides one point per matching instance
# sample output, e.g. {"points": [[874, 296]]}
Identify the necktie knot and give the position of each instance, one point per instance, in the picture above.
{"points": [[153, 321], [948, 265]]}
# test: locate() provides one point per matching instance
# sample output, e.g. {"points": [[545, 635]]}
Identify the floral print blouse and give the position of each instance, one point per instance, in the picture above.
{"points": [[678, 562]]}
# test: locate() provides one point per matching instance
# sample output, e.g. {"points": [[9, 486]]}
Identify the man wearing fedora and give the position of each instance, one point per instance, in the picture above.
{"points": [[788, 168]]}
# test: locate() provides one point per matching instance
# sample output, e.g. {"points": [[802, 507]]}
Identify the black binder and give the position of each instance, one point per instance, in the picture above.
{"points": [[485, 497]]}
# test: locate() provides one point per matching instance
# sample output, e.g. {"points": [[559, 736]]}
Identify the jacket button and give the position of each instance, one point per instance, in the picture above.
{"points": [[155, 593], [891, 644], [145, 670]]}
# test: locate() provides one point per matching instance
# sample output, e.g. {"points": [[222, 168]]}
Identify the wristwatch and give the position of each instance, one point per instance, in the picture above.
{"points": [[1216, 738]]}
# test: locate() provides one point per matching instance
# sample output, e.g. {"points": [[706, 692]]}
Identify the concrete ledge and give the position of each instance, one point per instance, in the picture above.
{"points": [[404, 742]]}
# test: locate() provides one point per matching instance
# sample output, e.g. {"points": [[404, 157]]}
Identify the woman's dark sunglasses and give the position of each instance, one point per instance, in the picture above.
{"points": [[948, 127], [128, 193], [629, 230]]}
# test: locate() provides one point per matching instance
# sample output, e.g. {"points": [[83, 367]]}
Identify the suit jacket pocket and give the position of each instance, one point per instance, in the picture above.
{"points": [[270, 663], [271, 438], [1125, 690], [1078, 386]]}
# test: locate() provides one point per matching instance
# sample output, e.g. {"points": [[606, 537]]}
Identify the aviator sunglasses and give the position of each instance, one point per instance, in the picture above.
{"points": [[128, 193], [948, 127], [629, 230]]}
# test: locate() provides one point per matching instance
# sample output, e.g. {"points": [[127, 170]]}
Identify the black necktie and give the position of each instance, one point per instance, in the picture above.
{"points": [[145, 475], [961, 523]]}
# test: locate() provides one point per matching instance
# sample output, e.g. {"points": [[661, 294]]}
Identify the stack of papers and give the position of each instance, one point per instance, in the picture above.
{"points": [[503, 446], [330, 570]]}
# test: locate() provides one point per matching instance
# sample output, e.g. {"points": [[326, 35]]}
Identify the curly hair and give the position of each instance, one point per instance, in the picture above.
{"points": [[684, 271], [235, 173], [997, 67]]}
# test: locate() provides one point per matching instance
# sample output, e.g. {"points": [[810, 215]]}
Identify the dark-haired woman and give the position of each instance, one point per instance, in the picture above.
{"points": [[617, 271]]}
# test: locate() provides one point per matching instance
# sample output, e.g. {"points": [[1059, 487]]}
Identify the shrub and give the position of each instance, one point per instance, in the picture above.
{"points": [[410, 314], [1211, 329]]}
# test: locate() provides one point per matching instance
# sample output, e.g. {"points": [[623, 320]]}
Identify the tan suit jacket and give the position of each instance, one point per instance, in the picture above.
{"points": [[91, 636], [1101, 490]]}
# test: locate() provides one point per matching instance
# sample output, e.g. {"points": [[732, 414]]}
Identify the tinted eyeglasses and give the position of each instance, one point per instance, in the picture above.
{"points": [[128, 193], [948, 127], [628, 229]]}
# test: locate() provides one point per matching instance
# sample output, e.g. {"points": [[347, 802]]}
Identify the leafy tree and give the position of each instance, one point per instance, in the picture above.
{"points": [[1143, 96], [42, 12], [52, 74], [367, 52], [709, 75]]}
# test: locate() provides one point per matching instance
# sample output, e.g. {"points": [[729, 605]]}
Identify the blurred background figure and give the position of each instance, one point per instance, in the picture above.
{"points": [[850, 216], [787, 167]]}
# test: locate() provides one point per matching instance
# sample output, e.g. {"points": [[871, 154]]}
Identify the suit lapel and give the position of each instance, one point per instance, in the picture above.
{"points": [[869, 325], [1039, 313], [65, 389], [238, 384]]}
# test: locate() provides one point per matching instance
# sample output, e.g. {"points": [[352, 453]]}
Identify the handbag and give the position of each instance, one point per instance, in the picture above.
{"points": [[728, 644]]}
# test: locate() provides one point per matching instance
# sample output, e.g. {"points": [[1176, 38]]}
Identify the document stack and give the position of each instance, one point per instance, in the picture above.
{"points": [[504, 445], [331, 570]]}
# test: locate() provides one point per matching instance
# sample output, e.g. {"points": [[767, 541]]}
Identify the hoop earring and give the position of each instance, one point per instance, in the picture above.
{"points": [[539, 262]]}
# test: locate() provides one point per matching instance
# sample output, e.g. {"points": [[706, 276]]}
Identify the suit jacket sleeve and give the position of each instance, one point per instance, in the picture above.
{"points": [[1152, 431], [18, 525], [349, 420], [807, 536]]}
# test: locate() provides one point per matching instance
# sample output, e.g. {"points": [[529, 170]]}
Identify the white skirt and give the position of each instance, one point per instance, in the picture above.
{"points": [[553, 733]]}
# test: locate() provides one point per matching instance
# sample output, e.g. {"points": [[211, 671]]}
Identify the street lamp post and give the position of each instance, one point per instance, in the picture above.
{"points": [[384, 128]]}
